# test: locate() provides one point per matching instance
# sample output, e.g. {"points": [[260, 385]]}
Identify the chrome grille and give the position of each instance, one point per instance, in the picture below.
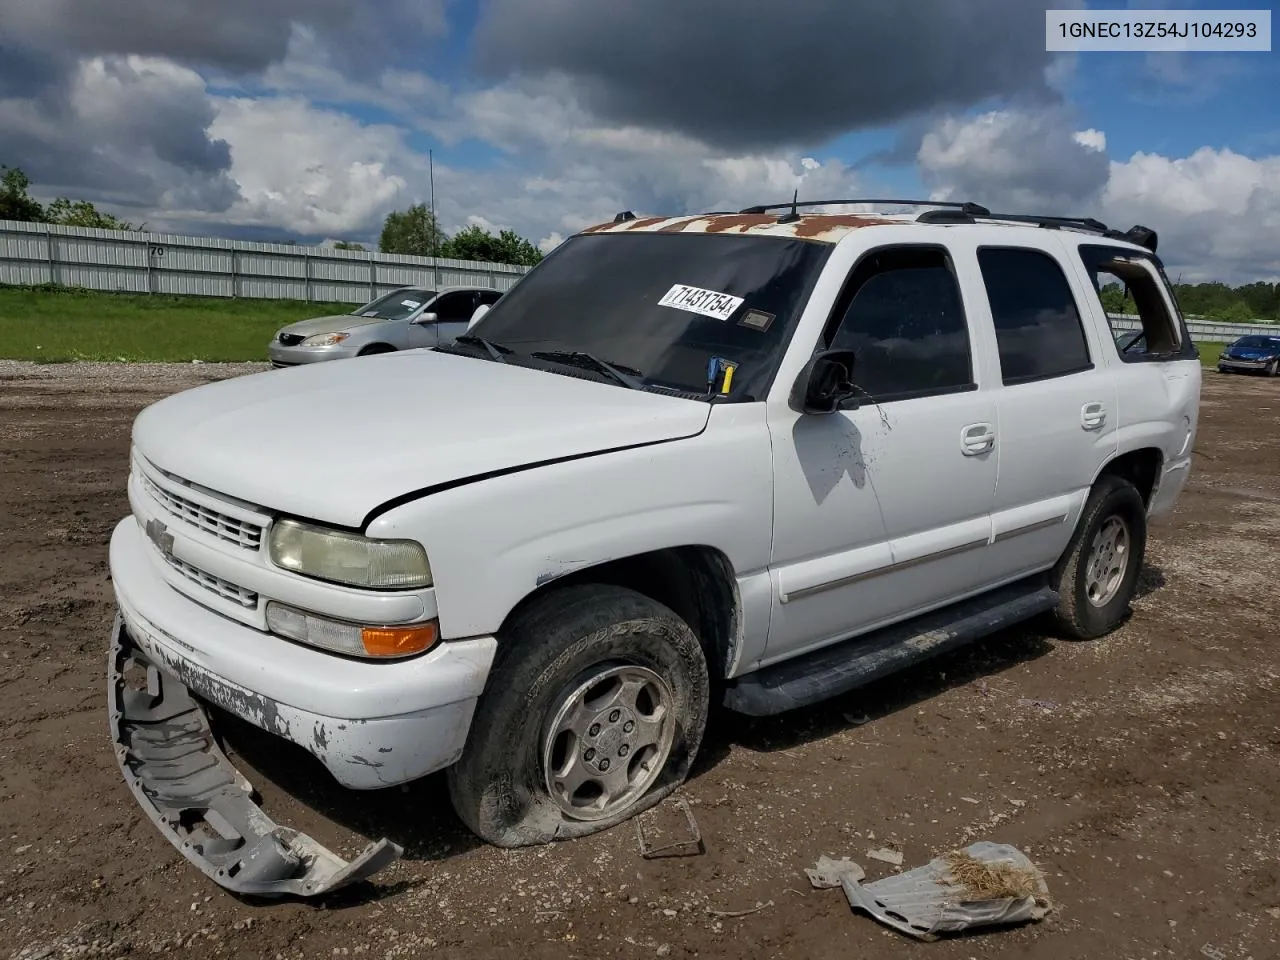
{"points": [[223, 588], [224, 527]]}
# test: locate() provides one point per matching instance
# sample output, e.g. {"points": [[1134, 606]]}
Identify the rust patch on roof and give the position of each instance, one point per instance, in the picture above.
{"points": [[678, 224], [821, 227], [817, 224], [740, 221]]}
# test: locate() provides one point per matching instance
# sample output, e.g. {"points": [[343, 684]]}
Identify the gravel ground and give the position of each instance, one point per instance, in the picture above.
{"points": [[1141, 771], [80, 382]]}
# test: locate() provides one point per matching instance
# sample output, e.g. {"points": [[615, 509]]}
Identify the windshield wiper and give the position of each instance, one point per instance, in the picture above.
{"points": [[495, 350], [626, 376]]}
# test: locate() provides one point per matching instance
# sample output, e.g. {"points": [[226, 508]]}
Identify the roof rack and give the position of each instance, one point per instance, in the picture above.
{"points": [[1137, 234], [974, 209]]}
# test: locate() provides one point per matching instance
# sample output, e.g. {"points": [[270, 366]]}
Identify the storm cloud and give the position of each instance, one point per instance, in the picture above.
{"points": [[113, 105], [758, 73], [237, 36]]}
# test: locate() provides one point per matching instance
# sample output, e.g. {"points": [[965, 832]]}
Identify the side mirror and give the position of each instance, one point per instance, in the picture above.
{"points": [[425, 318], [825, 384], [480, 311]]}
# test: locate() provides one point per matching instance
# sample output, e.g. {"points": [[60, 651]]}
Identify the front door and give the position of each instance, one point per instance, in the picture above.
{"points": [[453, 311], [883, 511]]}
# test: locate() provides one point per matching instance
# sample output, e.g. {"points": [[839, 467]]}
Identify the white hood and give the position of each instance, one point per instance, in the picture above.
{"points": [[334, 441]]}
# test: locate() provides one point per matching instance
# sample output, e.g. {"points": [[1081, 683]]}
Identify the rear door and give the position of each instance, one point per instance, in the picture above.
{"points": [[1057, 401]]}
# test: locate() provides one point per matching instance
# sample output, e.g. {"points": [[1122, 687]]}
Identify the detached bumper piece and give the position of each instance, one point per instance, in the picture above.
{"points": [[200, 801]]}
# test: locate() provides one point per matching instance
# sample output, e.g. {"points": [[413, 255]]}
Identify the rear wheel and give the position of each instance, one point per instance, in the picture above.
{"points": [[594, 712], [1098, 573]]}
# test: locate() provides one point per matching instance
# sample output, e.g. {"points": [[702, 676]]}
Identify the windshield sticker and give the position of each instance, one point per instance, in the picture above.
{"points": [[756, 320], [709, 303], [411, 304]]}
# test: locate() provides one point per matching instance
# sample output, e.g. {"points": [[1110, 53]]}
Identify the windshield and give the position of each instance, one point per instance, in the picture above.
{"points": [[664, 306], [1258, 343], [397, 305]]}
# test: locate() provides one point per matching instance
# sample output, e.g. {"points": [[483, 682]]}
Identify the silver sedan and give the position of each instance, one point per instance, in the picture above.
{"points": [[401, 320]]}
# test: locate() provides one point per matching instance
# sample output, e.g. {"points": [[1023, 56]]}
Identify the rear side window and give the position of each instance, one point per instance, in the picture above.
{"points": [[902, 315], [1037, 320]]}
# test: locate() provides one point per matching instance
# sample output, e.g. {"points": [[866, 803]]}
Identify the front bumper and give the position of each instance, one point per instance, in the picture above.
{"points": [[1224, 364], [199, 801], [372, 724], [282, 356]]}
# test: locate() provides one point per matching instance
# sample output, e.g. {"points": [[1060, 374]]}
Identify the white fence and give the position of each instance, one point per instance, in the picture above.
{"points": [[122, 261], [1210, 331]]}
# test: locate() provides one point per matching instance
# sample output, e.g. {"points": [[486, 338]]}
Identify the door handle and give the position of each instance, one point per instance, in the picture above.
{"points": [[1093, 415], [977, 438]]}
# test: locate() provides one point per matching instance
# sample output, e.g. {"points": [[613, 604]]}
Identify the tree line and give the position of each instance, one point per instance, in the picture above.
{"points": [[417, 232], [16, 203], [414, 231], [1212, 301]]}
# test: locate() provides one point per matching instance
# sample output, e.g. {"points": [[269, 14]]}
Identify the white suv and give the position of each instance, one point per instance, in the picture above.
{"points": [[756, 458]]}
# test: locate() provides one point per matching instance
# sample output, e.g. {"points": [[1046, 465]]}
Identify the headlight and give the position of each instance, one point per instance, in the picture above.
{"points": [[349, 558], [325, 339]]}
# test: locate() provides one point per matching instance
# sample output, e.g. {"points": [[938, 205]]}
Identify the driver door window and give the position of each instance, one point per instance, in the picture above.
{"points": [[905, 321]]}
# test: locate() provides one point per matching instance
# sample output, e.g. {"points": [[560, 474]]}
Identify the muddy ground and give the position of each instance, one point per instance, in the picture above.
{"points": [[1141, 771]]}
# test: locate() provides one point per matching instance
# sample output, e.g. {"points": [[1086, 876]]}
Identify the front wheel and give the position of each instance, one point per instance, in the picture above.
{"points": [[594, 712], [1098, 574], [1273, 368]]}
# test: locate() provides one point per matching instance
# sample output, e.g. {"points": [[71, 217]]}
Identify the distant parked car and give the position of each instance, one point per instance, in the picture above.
{"points": [[1255, 352], [401, 320]]}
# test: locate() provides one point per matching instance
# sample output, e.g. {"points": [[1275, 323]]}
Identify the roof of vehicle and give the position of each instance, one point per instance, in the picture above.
{"points": [[833, 227], [439, 290]]}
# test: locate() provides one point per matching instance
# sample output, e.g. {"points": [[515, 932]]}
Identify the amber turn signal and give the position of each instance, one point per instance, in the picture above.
{"points": [[399, 641]]}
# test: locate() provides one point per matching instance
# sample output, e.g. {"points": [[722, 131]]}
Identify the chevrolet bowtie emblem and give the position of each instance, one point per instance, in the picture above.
{"points": [[158, 534]]}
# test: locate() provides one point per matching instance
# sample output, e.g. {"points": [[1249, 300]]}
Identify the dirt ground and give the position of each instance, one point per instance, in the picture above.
{"points": [[1140, 771]]}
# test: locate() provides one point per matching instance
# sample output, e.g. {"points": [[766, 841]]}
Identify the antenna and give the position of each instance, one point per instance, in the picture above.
{"points": [[794, 215]]}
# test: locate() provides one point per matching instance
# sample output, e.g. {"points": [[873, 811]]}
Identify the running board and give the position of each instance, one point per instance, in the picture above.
{"points": [[850, 664]]}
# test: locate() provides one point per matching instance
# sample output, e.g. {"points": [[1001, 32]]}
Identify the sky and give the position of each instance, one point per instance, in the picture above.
{"points": [[310, 120]]}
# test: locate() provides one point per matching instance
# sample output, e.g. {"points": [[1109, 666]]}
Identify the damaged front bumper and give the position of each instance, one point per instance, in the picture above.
{"points": [[200, 801]]}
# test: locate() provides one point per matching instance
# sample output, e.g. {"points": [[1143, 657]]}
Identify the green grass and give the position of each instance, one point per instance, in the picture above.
{"points": [[57, 325], [1209, 353]]}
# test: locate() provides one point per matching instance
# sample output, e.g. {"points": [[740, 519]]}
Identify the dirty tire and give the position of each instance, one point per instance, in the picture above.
{"points": [[498, 787], [374, 348], [1076, 616]]}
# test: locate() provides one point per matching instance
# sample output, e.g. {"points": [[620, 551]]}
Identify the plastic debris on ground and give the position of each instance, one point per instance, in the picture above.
{"points": [[986, 884], [886, 855], [830, 873]]}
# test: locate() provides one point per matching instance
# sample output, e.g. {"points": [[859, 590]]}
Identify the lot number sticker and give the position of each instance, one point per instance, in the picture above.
{"points": [[709, 303]]}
